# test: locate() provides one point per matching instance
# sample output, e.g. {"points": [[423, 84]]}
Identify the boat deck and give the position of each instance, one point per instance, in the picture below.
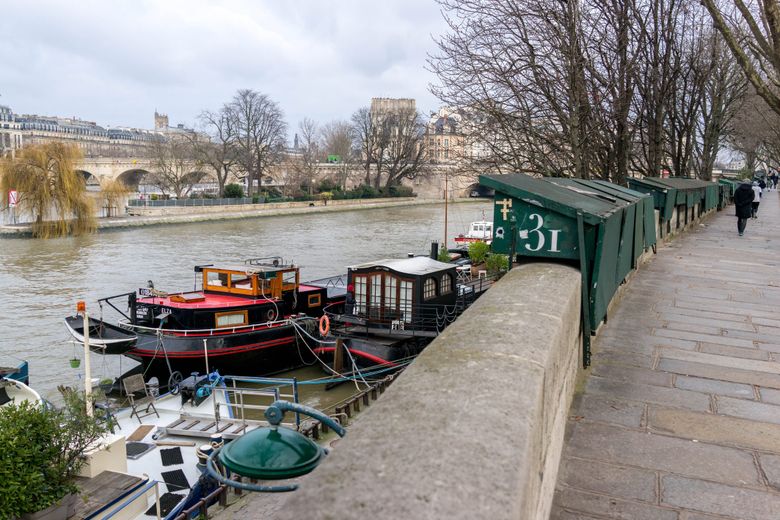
{"points": [[106, 488]]}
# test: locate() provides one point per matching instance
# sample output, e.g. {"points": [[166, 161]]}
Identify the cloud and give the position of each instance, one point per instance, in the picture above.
{"points": [[116, 62]]}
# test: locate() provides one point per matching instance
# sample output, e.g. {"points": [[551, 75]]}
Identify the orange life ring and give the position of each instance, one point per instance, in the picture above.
{"points": [[324, 325]]}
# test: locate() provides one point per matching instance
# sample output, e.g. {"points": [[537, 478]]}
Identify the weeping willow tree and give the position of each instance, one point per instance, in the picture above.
{"points": [[113, 191], [50, 189]]}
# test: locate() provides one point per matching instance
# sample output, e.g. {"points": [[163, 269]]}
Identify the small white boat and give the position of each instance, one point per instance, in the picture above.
{"points": [[479, 231], [16, 392]]}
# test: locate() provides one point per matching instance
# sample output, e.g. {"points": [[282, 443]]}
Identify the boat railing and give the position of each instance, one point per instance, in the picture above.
{"points": [[243, 399], [417, 319], [204, 332]]}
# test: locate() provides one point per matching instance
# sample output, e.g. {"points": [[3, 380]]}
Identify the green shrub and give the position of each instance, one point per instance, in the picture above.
{"points": [[497, 263], [327, 185], [478, 251], [444, 255], [234, 191], [41, 450], [154, 196]]}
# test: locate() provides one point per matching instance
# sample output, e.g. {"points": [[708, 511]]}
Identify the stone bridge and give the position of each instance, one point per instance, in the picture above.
{"points": [[131, 171]]}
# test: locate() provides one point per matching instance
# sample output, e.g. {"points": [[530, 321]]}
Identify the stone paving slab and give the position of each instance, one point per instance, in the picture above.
{"points": [[680, 415]]}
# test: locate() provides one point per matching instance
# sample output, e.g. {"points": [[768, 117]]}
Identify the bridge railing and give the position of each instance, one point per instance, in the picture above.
{"points": [[148, 203]]}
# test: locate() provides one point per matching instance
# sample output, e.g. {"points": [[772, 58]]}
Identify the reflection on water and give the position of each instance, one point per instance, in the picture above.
{"points": [[41, 280]]}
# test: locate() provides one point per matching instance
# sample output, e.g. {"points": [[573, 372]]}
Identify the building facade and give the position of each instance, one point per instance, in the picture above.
{"points": [[10, 132]]}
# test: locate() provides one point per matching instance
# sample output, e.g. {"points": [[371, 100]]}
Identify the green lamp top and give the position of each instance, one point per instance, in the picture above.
{"points": [[271, 454]]}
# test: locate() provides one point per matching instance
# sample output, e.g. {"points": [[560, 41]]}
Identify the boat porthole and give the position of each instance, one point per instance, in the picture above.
{"points": [[271, 315]]}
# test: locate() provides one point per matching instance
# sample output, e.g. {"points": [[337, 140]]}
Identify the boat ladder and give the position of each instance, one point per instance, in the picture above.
{"points": [[191, 426]]}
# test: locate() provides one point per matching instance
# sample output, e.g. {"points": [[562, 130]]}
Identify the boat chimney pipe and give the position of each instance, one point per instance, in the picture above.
{"points": [[435, 250]]}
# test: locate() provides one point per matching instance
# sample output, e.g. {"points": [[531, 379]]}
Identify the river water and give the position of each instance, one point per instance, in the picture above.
{"points": [[41, 280]]}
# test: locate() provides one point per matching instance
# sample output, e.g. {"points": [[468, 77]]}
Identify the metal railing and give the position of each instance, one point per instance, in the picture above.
{"points": [[148, 203], [416, 319], [204, 332]]}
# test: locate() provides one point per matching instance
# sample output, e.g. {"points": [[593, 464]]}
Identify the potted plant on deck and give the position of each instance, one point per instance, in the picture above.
{"points": [[41, 451]]}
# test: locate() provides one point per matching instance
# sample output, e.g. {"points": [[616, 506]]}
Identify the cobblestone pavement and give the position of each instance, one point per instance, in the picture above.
{"points": [[680, 414]]}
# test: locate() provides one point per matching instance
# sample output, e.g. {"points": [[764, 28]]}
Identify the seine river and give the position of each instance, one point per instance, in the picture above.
{"points": [[41, 280]]}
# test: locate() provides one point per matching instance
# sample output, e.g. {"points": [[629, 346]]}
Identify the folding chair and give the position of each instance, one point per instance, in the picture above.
{"points": [[139, 395]]}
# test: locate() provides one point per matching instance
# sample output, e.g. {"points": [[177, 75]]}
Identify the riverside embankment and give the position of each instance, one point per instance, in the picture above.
{"points": [[474, 428], [160, 216]]}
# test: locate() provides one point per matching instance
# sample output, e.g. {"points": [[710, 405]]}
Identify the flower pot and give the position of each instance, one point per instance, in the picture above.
{"points": [[75, 363]]}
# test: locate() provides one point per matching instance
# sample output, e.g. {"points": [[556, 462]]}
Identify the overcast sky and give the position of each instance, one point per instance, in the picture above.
{"points": [[116, 61]]}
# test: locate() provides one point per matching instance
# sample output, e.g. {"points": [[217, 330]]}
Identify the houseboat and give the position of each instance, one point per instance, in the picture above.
{"points": [[240, 321], [400, 305]]}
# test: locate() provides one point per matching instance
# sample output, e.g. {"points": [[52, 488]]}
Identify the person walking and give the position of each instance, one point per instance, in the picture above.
{"points": [[756, 198], [743, 200]]}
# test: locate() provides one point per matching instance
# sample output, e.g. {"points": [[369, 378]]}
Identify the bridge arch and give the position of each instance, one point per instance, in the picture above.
{"points": [[477, 190], [132, 178], [92, 181]]}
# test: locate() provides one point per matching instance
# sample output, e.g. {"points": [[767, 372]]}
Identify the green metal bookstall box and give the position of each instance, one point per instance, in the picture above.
{"points": [[603, 227]]}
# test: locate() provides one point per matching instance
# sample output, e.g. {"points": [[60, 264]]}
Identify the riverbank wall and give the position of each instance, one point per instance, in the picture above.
{"points": [[475, 427], [159, 216]]}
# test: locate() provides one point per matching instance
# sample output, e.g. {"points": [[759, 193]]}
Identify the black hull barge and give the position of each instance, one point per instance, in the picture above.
{"points": [[244, 320]]}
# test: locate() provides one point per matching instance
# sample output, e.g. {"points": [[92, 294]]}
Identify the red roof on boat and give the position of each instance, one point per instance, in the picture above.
{"points": [[210, 301]]}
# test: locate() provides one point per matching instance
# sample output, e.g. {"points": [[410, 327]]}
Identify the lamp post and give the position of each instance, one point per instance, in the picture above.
{"points": [[81, 307]]}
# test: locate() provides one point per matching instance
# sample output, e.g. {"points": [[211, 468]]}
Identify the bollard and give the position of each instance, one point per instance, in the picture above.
{"points": [[315, 431], [356, 404], [365, 399], [373, 393]]}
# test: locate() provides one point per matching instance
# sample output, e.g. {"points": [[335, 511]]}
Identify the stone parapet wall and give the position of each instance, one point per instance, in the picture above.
{"points": [[474, 427]]}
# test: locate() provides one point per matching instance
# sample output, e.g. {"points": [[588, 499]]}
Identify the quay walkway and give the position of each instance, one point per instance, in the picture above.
{"points": [[679, 416]]}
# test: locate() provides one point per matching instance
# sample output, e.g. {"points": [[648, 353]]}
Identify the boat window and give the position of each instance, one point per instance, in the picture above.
{"points": [[360, 294], [429, 289], [405, 296], [288, 277], [231, 319], [240, 281], [375, 298], [216, 279], [314, 300], [446, 284], [391, 287]]}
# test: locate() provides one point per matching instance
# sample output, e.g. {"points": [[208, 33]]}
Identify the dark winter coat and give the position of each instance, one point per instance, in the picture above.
{"points": [[743, 198]]}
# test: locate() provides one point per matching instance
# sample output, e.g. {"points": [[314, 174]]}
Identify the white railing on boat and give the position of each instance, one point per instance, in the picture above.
{"points": [[204, 332]]}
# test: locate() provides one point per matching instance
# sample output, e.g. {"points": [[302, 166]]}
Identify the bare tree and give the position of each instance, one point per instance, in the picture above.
{"points": [[308, 155], [220, 151], [725, 87], [365, 134], [402, 153], [337, 140], [175, 169], [260, 133], [752, 33]]}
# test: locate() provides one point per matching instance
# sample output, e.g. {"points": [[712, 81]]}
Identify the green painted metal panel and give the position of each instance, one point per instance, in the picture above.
{"points": [[603, 283], [540, 218], [544, 194], [626, 257], [645, 216], [538, 231]]}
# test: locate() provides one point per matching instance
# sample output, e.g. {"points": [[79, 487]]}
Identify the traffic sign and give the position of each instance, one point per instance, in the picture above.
{"points": [[13, 198]]}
